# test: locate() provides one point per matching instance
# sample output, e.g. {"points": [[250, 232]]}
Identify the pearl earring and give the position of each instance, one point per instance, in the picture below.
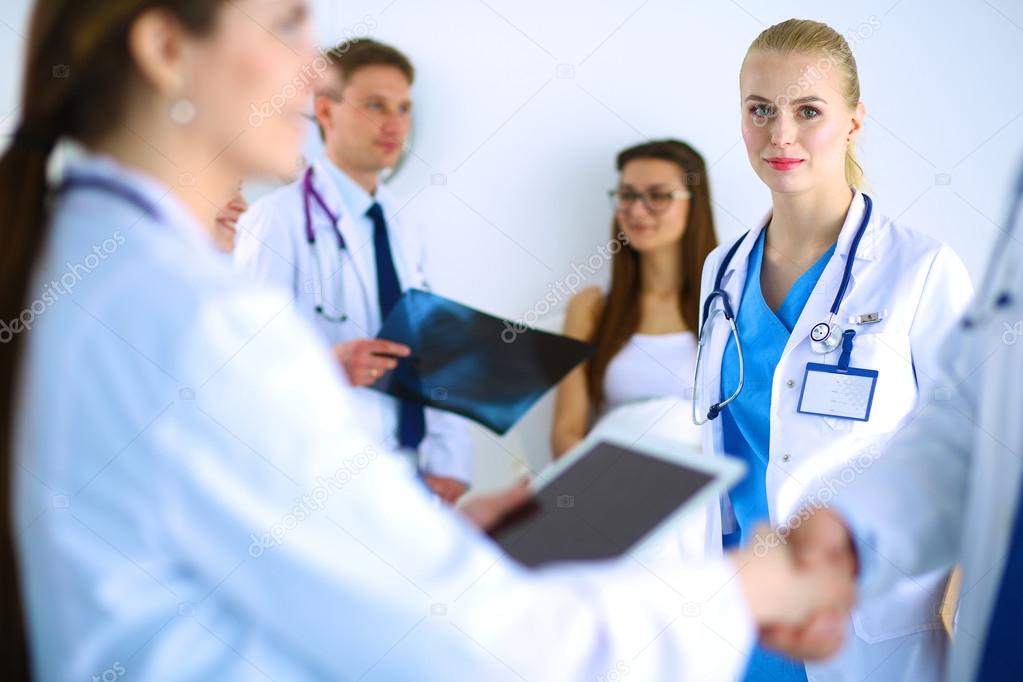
{"points": [[182, 111]]}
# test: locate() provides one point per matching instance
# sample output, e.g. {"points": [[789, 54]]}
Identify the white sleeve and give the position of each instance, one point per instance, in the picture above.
{"points": [[330, 547], [447, 449], [946, 294], [906, 507], [265, 249], [919, 475]]}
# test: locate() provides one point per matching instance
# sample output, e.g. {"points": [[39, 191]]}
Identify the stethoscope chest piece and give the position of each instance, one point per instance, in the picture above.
{"points": [[825, 337]]}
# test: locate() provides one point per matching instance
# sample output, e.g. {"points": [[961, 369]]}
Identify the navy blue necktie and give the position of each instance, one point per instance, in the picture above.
{"points": [[1003, 653], [411, 418]]}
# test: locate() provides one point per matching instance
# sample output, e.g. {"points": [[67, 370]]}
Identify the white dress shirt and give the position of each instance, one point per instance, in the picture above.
{"points": [[272, 248]]}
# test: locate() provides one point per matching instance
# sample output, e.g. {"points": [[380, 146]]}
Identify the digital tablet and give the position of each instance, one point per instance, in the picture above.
{"points": [[608, 495]]}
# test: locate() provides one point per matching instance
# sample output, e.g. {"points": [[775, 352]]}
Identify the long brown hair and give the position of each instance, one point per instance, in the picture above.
{"points": [[619, 318], [78, 76]]}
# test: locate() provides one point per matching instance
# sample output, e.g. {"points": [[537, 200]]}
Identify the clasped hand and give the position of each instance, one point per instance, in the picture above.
{"points": [[800, 584]]}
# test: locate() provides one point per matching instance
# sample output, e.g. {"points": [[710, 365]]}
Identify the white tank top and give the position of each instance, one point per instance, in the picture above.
{"points": [[648, 386], [651, 366]]}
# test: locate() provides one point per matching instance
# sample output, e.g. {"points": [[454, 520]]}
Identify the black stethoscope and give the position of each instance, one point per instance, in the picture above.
{"points": [[825, 336], [310, 194]]}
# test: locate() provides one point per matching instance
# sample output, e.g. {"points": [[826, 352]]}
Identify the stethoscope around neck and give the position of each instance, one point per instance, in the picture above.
{"points": [[309, 195], [825, 336]]}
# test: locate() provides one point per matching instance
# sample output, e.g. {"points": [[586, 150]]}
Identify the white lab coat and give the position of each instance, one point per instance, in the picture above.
{"points": [[952, 476], [272, 248], [196, 498], [924, 287]]}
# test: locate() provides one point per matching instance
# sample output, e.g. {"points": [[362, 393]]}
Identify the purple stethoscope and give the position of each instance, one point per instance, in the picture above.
{"points": [[310, 194]]}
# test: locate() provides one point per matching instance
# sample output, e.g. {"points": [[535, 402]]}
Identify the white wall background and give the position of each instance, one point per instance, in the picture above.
{"points": [[521, 106]]}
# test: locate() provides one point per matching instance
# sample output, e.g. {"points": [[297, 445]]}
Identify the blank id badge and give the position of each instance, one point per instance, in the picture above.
{"points": [[832, 391]]}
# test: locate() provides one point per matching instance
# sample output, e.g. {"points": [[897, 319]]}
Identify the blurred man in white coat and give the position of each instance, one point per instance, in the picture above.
{"points": [[340, 243]]}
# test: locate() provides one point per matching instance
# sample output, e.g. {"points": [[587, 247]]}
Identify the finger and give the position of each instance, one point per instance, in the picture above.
{"points": [[373, 363], [361, 376], [833, 587], [354, 378], [780, 638], [385, 347], [514, 497], [822, 637]]}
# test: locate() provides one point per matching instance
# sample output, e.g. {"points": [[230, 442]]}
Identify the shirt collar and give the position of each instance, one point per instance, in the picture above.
{"points": [[356, 199]]}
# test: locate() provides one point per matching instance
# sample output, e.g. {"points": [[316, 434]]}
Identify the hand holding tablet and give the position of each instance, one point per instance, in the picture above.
{"points": [[608, 495]]}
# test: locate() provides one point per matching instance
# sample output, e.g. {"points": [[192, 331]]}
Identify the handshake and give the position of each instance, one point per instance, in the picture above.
{"points": [[800, 587]]}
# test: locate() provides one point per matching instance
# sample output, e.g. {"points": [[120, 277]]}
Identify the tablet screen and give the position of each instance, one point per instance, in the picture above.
{"points": [[598, 507]]}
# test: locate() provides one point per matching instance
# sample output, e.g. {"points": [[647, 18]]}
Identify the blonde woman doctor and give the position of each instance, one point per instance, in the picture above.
{"points": [[820, 329]]}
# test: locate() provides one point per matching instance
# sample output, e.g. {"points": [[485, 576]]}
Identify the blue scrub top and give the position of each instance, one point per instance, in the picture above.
{"points": [[746, 422]]}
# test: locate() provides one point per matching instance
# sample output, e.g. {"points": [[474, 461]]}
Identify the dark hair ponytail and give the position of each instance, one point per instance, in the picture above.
{"points": [[23, 179], [78, 74]]}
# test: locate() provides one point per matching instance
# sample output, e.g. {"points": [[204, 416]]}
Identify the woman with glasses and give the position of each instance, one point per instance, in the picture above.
{"points": [[642, 326], [821, 329]]}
